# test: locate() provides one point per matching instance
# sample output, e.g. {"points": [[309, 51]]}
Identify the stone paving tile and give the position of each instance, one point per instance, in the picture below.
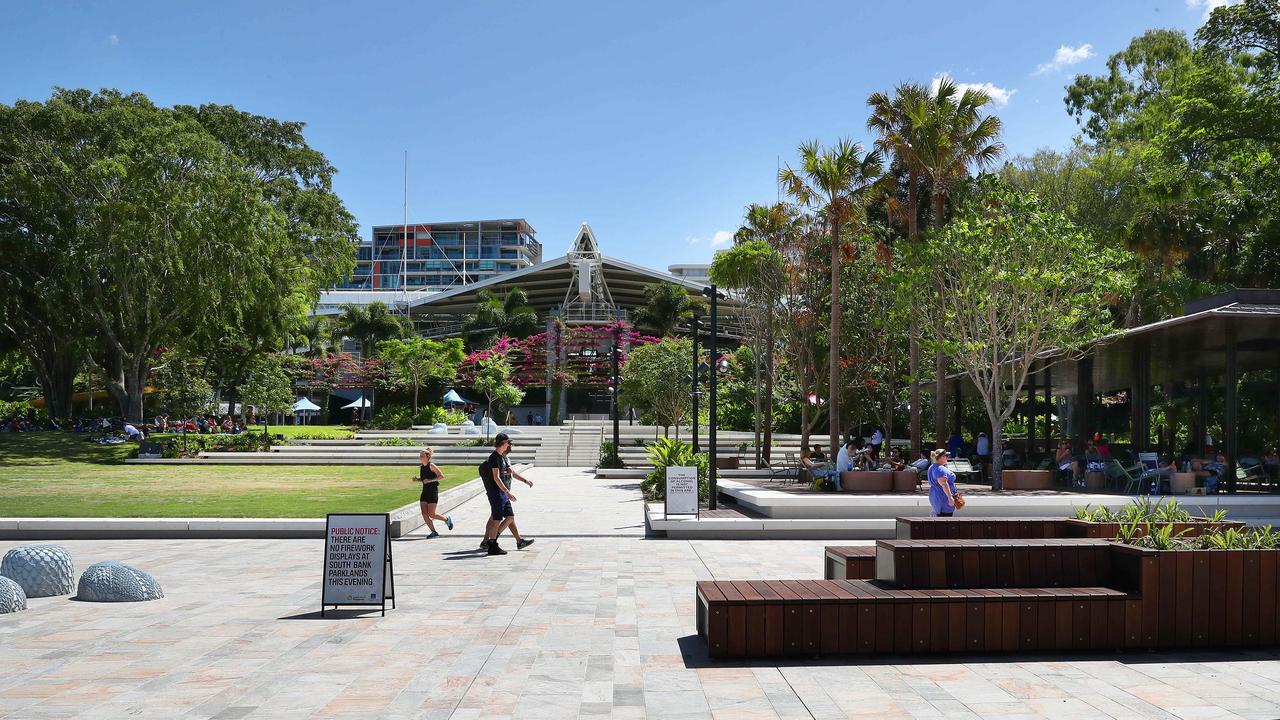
{"points": [[592, 622]]}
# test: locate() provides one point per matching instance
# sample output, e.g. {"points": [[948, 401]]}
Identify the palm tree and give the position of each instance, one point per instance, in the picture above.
{"points": [[837, 182], [510, 315], [314, 334], [665, 306], [892, 118], [368, 325], [953, 135]]}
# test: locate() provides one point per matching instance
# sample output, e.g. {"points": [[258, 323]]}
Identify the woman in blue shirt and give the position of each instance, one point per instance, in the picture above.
{"points": [[942, 485]]}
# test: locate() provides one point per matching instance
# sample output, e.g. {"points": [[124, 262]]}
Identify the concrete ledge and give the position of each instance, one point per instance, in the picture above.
{"points": [[743, 528]]}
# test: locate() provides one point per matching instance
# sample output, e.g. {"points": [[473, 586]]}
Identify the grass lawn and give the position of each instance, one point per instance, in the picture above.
{"points": [[313, 432], [50, 474]]}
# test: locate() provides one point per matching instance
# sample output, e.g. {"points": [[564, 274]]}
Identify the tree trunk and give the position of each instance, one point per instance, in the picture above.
{"points": [[888, 429], [940, 398], [135, 381], [913, 359], [415, 398], [755, 360], [997, 453], [768, 395], [913, 234], [56, 374], [939, 362], [833, 392]]}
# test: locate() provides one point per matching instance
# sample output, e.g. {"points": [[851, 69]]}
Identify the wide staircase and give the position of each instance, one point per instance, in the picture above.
{"points": [[576, 445]]}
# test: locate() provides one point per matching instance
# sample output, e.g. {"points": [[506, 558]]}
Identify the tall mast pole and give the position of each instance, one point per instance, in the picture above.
{"points": [[404, 245]]}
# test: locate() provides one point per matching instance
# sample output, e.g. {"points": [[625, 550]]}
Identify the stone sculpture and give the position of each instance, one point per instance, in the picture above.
{"points": [[111, 581], [42, 570]]}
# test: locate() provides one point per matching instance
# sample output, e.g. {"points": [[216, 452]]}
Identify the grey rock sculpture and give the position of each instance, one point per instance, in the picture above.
{"points": [[112, 581], [12, 598], [41, 570]]}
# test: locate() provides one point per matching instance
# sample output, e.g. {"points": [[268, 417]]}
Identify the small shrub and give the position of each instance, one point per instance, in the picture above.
{"points": [[392, 417], [609, 458], [669, 452], [395, 442]]}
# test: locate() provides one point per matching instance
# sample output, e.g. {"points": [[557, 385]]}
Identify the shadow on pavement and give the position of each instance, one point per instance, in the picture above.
{"points": [[693, 649], [336, 614]]}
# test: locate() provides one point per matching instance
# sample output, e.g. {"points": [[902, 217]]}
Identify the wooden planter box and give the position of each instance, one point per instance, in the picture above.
{"points": [[878, 481], [1202, 598], [726, 463], [965, 528]]}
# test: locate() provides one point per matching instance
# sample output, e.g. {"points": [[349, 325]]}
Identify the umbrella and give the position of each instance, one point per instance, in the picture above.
{"points": [[305, 404], [359, 402], [453, 398]]}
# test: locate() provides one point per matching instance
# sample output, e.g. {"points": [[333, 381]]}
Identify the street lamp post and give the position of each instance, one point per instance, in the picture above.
{"points": [[694, 326], [714, 295], [613, 396]]}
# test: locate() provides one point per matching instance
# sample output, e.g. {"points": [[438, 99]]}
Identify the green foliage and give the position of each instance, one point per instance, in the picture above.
{"points": [[665, 306], [369, 325], [432, 414], [653, 378], [669, 452], [182, 386], [191, 445], [143, 227], [609, 456], [493, 380], [1007, 280], [510, 315], [1143, 510], [268, 387], [395, 442], [417, 361], [392, 417]]}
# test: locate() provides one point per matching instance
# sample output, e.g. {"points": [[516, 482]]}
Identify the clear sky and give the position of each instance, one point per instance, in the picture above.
{"points": [[657, 122]]}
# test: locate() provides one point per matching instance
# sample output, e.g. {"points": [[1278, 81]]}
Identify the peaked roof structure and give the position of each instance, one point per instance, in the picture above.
{"points": [[584, 278]]}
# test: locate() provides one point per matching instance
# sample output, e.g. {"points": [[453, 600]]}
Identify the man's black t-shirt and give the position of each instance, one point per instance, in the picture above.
{"points": [[494, 461]]}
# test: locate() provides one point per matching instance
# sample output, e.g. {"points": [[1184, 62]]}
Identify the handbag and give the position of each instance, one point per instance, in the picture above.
{"points": [[959, 501]]}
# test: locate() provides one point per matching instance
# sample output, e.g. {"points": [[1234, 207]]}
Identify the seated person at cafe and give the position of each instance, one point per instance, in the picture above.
{"points": [[1093, 462], [1065, 461], [1271, 464], [1210, 473], [894, 461], [816, 463]]}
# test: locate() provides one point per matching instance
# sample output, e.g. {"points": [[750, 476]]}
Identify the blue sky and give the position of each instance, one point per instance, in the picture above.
{"points": [[656, 122]]}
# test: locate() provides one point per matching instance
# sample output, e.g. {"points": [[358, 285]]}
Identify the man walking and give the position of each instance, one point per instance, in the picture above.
{"points": [[496, 472]]}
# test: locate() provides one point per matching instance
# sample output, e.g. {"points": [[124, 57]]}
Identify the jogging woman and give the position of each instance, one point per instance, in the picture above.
{"points": [[430, 476]]}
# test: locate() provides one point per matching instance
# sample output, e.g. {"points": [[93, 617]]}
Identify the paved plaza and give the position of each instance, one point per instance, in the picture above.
{"points": [[593, 621]]}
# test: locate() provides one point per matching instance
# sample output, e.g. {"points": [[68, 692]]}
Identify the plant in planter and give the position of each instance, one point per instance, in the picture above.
{"points": [[669, 452]]}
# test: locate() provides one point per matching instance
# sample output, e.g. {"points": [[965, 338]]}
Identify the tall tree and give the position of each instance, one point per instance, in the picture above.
{"points": [[368, 325], [509, 315], [416, 361], [898, 120], [666, 305], [1019, 286], [953, 136], [172, 233], [837, 182], [649, 381], [755, 267]]}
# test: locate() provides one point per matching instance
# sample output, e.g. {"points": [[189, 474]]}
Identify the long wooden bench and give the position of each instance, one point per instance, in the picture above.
{"points": [[993, 563], [850, 562], [801, 618]]}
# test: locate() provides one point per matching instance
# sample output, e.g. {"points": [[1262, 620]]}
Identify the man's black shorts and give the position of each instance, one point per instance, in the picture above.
{"points": [[500, 507]]}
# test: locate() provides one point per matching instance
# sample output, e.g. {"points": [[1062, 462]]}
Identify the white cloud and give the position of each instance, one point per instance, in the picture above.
{"points": [[113, 39], [998, 95], [720, 237], [1209, 5], [1065, 56]]}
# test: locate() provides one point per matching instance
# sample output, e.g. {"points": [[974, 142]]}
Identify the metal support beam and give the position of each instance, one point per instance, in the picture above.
{"points": [[1048, 412], [1140, 398], [1084, 400], [1232, 379]]}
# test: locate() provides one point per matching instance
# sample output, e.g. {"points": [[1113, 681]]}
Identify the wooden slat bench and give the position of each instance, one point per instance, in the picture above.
{"points": [[955, 528], [850, 562], [994, 563], [804, 618]]}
